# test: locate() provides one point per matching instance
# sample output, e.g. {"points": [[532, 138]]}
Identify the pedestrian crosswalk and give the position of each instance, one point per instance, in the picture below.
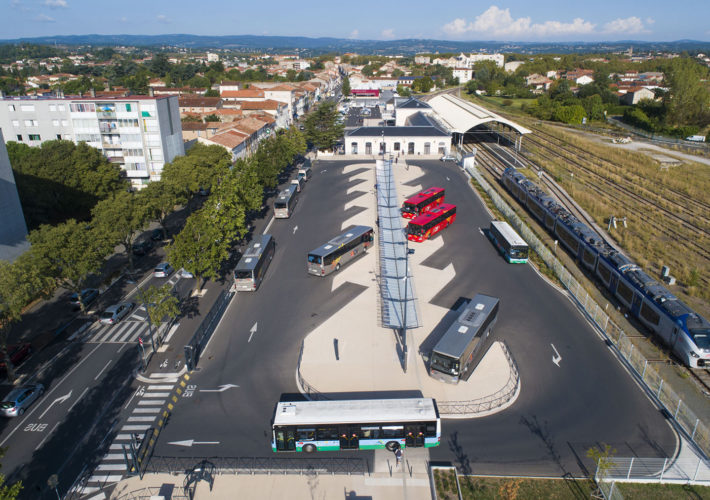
{"points": [[126, 331], [147, 402]]}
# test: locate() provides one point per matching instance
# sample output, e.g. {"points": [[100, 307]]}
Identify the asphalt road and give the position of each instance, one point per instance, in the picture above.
{"points": [[562, 410]]}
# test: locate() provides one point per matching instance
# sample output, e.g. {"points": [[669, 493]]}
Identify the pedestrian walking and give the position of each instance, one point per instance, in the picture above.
{"points": [[398, 455]]}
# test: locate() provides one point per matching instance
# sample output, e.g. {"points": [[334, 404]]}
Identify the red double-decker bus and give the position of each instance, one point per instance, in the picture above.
{"points": [[422, 202], [427, 225]]}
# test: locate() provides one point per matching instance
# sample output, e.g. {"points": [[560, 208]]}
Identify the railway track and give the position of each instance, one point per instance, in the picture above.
{"points": [[668, 230]]}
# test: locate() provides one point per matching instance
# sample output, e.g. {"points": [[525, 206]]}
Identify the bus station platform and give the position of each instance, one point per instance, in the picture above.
{"points": [[351, 356]]}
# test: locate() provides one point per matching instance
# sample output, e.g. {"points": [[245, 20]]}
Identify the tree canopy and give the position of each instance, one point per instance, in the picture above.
{"points": [[323, 127]]}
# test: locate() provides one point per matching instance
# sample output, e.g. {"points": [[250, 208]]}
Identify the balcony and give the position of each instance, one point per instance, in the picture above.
{"points": [[132, 174]]}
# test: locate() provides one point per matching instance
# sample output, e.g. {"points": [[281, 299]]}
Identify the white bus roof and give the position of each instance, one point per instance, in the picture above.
{"points": [[508, 233], [355, 411]]}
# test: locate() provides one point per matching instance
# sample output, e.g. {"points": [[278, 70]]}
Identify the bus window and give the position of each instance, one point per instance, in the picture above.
{"points": [[314, 259], [243, 275], [445, 363], [306, 434]]}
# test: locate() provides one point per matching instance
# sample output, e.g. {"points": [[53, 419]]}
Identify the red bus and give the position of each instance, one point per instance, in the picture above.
{"points": [[422, 202], [427, 225]]}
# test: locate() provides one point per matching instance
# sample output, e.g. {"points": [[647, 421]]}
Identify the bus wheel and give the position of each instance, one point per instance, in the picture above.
{"points": [[337, 266], [309, 448], [392, 446]]}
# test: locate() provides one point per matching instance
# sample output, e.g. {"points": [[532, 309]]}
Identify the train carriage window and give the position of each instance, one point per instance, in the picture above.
{"points": [[604, 272], [588, 257], [626, 293], [648, 313], [565, 236]]}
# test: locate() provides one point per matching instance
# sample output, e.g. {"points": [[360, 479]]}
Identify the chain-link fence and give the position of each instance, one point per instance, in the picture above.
{"points": [[696, 429]]}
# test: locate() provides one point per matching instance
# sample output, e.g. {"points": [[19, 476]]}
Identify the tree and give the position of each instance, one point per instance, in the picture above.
{"points": [[61, 180], [244, 180], [403, 91], [212, 93], [68, 253], [569, 114], [346, 86], [199, 168], [10, 492], [160, 198], [423, 84], [199, 248], [20, 283], [160, 303], [594, 107], [121, 218], [688, 99], [160, 65], [323, 129], [603, 458]]}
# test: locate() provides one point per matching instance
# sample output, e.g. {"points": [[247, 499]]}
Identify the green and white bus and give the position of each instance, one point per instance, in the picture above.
{"points": [[512, 246], [367, 424]]}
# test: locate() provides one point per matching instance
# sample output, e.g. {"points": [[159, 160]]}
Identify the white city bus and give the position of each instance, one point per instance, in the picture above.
{"points": [[284, 204], [340, 250], [512, 246], [254, 262], [355, 425]]}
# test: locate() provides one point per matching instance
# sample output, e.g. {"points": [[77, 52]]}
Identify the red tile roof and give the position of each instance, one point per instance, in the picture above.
{"points": [[244, 93]]}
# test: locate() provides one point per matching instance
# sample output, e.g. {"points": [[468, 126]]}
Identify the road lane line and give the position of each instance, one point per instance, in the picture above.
{"points": [[268, 225], [27, 415], [102, 369], [86, 389], [121, 348], [45, 437], [173, 329], [140, 285]]}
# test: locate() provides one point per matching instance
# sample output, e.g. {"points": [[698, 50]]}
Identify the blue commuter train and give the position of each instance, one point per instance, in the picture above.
{"points": [[683, 330]]}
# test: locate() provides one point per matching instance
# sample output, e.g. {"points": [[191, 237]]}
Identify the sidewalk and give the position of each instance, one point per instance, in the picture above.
{"points": [[409, 480], [368, 359]]}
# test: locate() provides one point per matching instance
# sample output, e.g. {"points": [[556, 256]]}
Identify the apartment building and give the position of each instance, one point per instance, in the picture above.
{"points": [[139, 133]]}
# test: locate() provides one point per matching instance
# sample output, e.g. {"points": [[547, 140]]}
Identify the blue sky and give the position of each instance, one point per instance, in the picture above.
{"points": [[517, 20]]}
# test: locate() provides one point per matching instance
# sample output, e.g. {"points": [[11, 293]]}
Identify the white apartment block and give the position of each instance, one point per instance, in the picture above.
{"points": [[139, 133]]}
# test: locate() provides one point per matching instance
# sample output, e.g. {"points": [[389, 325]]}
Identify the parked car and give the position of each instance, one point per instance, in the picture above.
{"points": [[183, 273], [162, 270], [18, 400], [448, 158], [88, 295], [142, 247], [17, 353], [116, 313]]}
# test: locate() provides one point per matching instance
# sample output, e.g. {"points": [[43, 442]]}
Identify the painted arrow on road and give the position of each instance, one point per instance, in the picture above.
{"points": [[190, 442], [58, 400], [295, 229], [222, 388], [556, 358], [253, 331]]}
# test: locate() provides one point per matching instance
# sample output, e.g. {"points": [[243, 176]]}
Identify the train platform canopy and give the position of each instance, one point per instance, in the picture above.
{"points": [[460, 116]]}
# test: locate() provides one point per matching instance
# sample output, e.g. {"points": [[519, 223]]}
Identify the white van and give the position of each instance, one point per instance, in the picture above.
{"points": [[305, 172], [298, 183]]}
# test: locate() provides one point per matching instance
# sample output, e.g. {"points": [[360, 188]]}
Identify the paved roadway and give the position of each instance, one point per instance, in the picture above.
{"points": [[562, 410]]}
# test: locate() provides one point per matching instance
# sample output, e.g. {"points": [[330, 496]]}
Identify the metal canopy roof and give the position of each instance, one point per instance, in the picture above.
{"points": [[459, 115]]}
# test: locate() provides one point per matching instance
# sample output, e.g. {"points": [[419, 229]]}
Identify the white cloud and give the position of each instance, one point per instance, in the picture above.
{"points": [[630, 25], [388, 33], [56, 3], [44, 18], [162, 18], [354, 34], [499, 22]]}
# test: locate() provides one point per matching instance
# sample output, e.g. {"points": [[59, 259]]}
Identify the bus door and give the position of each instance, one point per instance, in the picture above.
{"points": [[349, 439], [414, 435], [285, 440]]}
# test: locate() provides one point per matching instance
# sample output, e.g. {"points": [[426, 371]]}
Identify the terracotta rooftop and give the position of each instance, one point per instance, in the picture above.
{"points": [[255, 105], [198, 101], [230, 138], [244, 93]]}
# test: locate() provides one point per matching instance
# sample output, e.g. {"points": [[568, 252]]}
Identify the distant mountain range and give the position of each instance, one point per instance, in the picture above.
{"points": [[249, 43]]}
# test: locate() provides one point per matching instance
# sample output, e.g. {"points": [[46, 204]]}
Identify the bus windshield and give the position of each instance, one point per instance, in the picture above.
{"points": [[408, 207], [415, 229], [242, 275], [314, 259], [280, 204], [444, 363]]}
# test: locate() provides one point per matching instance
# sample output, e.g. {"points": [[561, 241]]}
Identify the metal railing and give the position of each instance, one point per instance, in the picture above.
{"points": [[199, 340], [260, 465], [657, 470], [486, 403], [695, 429], [307, 389], [149, 492]]}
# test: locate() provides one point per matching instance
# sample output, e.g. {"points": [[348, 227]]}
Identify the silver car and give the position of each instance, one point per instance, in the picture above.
{"points": [[162, 270], [115, 313], [18, 400]]}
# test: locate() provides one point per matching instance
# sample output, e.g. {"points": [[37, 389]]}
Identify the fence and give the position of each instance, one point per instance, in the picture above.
{"points": [[260, 465], [148, 493], [486, 403], [687, 420], [698, 146], [657, 470], [199, 340]]}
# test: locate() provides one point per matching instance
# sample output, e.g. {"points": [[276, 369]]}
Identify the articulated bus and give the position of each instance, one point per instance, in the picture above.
{"points": [[283, 206], [512, 246], [340, 250], [356, 425], [422, 202], [427, 225], [467, 340], [253, 265]]}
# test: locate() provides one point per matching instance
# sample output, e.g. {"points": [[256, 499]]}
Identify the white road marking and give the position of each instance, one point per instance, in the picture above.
{"points": [[158, 394], [102, 369], [173, 329], [253, 331], [110, 467], [127, 333], [556, 358], [148, 418], [151, 402], [164, 375], [295, 229], [222, 388], [45, 437], [159, 387], [128, 428], [113, 456], [86, 389], [104, 478], [122, 437], [100, 496], [147, 410], [116, 446], [59, 400], [269, 224]]}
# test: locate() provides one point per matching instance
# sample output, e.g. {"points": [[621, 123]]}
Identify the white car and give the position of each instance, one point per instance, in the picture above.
{"points": [[162, 270], [448, 158]]}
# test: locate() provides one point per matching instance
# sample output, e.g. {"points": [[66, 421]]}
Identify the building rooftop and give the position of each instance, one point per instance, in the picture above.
{"points": [[397, 132]]}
